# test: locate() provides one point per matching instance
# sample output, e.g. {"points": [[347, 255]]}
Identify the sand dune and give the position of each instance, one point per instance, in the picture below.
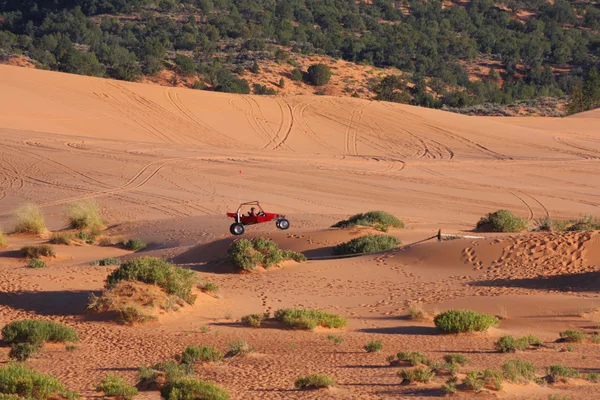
{"points": [[166, 164]]}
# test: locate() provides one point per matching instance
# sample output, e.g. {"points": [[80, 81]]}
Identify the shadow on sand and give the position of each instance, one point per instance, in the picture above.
{"points": [[582, 282], [404, 330], [47, 303]]}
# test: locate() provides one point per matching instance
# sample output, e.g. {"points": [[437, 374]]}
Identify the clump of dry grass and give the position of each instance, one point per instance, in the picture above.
{"points": [[84, 214], [418, 313], [29, 219], [3, 242]]}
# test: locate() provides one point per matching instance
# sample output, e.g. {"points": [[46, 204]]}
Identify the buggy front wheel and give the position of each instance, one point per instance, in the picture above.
{"points": [[283, 224], [237, 228]]}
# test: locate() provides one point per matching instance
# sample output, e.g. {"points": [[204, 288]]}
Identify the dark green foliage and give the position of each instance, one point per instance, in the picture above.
{"points": [[459, 321], [508, 344], [109, 261], [135, 244], [42, 250], [233, 85], [502, 221], [185, 65], [113, 385], [560, 373], [281, 83], [193, 354], [413, 358], [23, 351], [421, 374], [574, 336], [316, 381], [263, 90], [374, 346], [367, 244], [17, 379], [318, 75], [247, 255], [193, 389], [255, 320], [37, 332], [309, 319], [371, 218], [155, 271], [393, 88], [585, 95], [36, 263], [255, 68], [456, 358], [296, 74]]}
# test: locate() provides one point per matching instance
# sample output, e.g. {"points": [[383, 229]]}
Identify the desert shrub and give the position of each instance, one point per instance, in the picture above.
{"points": [[37, 332], [508, 344], [414, 358], [519, 371], [371, 218], [573, 336], [246, 254], [193, 389], [450, 387], [42, 250], [309, 319], [315, 381], [23, 351], [474, 381], [493, 378], [418, 313], [502, 221], [456, 358], [459, 321], [108, 261], [132, 314], [374, 346], [171, 370], [61, 238], [238, 348], [550, 225], [208, 287], [135, 244], [88, 237], [367, 244], [193, 354], [593, 377], [255, 320], [36, 263], [263, 90], [155, 271], [29, 219], [84, 214], [318, 74], [113, 385], [420, 374], [560, 373], [296, 74], [3, 242], [17, 379], [335, 339], [585, 223]]}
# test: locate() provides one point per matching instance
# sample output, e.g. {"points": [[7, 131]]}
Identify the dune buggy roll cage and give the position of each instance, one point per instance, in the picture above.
{"points": [[249, 203]]}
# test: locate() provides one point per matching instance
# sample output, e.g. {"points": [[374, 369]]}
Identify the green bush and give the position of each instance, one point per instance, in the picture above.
{"points": [[519, 371], [193, 389], [367, 244], [172, 371], [593, 377], [459, 321], [493, 378], [23, 351], [208, 287], [315, 381], [335, 339], [585, 223], [17, 379], [238, 348], [29, 219], [36, 263], [573, 336], [474, 381], [373, 346], [135, 244], [113, 385], [155, 271], [414, 358], [318, 74], [263, 90], [37, 332], [371, 218], [508, 344], [255, 320], [42, 250], [420, 374], [109, 261], [61, 238], [193, 354], [309, 319], [502, 221], [247, 255], [296, 74], [560, 373], [84, 214], [550, 225], [131, 314], [456, 358]]}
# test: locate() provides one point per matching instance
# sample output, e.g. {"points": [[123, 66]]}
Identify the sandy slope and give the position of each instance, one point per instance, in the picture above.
{"points": [[165, 165]]}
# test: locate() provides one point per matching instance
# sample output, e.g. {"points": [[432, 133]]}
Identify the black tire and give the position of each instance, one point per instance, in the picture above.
{"points": [[237, 229], [283, 224]]}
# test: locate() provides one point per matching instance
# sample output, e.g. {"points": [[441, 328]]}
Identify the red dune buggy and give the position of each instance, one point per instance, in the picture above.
{"points": [[255, 216]]}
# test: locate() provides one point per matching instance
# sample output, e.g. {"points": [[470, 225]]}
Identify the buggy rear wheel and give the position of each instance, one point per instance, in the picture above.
{"points": [[237, 228], [283, 224]]}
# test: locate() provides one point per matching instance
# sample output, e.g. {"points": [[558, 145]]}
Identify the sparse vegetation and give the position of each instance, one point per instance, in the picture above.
{"points": [[247, 255], [36, 263], [459, 321], [455, 358], [84, 214], [132, 314], [27, 336], [367, 244], [309, 319], [113, 385], [193, 388], [23, 351], [135, 244], [519, 371], [450, 387], [337, 340], [508, 344], [316, 381], [61, 238], [193, 354], [502, 221], [418, 313], [573, 336], [255, 320], [374, 346], [29, 219], [238, 348], [42, 250], [372, 219], [318, 74], [3, 242], [585, 223], [208, 287], [412, 357], [23, 382], [106, 262], [560, 373], [420, 374]]}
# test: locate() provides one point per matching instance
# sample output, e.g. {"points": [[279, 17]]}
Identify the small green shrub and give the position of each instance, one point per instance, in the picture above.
{"points": [[593, 377], [508, 344], [414, 358], [193, 354], [373, 346], [84, 214], [86, 237], [113, 385], [560, 373], [309, 319], [450, 387], [42, 250], [255, 320], [17, 379], [29, 219], [335, 339], [585, 223], [493, 378], [367, 244], [459, 321], [193, 389], [108, 261], [238, 348], [36, 263], [550, 225], [502, 221], [316, 381], [132, 314], [379, 219], [456, 358], [171, 370], [474, 381], [573, 336], [318, 74], [61, 238], [208, 287], [247, 255], [135, 244], [23, 351], [37, 332], [420, 374], [519, 371], [155, 271]]}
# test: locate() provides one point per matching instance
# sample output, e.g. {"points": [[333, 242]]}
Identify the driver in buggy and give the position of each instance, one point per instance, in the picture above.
{"points": [[253, 213]]}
